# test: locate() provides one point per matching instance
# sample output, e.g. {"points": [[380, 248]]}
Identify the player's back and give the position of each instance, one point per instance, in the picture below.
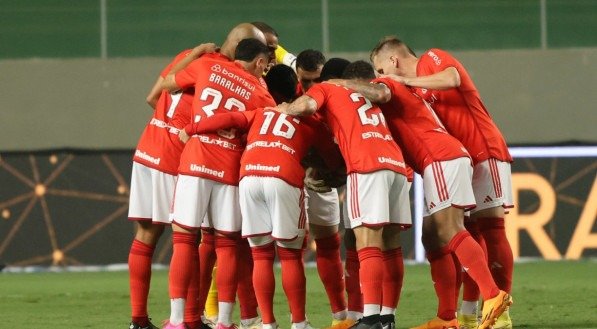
{"points": [[359, 128], [220, 87], [417, 129], [276, 144], [159, 146], [461, 109]]}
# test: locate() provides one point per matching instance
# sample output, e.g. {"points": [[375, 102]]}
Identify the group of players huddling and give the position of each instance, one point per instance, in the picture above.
{"points": [[248, 150]]}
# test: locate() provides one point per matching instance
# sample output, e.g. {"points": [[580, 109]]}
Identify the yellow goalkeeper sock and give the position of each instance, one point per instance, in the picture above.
{"points": [[211, 304]]}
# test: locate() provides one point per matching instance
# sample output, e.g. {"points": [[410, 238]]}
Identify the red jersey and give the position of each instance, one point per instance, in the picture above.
{"points": [[159, 146], [276, 142], [417, 130], [359, 128], [221, 86], [461, 109]]}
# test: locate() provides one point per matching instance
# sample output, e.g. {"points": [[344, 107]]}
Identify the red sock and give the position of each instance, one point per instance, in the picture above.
{"points": [[331, 273], [226, 275], [459, 273], [371, 274], [500, 258], [191, 309], [471, 258], [264, 280], [393, 274], [207, 260], [246, 293], [183, 246], [353, 284], [139, 280], [470, 289], [444, 276], [294, 281]]}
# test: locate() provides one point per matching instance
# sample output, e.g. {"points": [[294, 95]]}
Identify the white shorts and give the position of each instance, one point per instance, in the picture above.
{"points": [[151, 194], [492, 184], [323, 208], [377, 198], [446, 184], [270, 206], [196, 197]]}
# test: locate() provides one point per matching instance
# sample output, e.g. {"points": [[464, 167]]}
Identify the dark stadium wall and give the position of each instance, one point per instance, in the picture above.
{"points": [[536, 97]]}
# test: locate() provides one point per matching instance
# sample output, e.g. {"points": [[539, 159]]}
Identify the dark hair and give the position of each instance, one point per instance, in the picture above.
{"points": [[248, 49], [359, 70], [309, 60], [265, 28], [333, 68], [390, 42], [281, 81]]}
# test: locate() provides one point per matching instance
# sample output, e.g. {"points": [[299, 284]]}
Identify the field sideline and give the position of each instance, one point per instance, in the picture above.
{"points": [[546, 295]]}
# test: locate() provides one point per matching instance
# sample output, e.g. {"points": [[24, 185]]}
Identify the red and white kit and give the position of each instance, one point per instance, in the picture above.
{"points": [[465, 117], [429, 149], [271, 175], [157, 155], [209, 164], [377, 190]]}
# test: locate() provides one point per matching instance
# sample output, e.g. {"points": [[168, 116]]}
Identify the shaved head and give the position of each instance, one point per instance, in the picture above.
{"points": [[238, 33]]}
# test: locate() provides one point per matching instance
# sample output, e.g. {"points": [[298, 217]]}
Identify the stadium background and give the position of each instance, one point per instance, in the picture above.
{"points": [[75, 76]]}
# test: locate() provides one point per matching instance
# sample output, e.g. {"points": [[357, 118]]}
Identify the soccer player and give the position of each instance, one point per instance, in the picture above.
{"points": [[447, 172], [209, 166], [323, 205], [377, 191], [155, 165], [272, 197], [443, 81]]}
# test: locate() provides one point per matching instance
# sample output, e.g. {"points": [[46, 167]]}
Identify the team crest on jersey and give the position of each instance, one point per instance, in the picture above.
{"points": [[216, 68]]}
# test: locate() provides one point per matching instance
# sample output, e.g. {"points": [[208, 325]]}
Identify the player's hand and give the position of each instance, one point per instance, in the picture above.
{"points": [[282, 108], [205, 48], [314, 184], [183, 136]]}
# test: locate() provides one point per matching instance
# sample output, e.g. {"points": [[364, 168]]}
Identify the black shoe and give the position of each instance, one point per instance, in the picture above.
{"points": [[362, 323], [388, 321], [150, 325]]}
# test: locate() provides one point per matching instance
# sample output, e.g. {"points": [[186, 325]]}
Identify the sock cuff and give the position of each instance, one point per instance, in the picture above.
{"points": [[140, 248], [207, 237], [289, 253], [266, 252], [328, 243], [491, 223], [352, 254], [187, 238], [438, 253], [392, 253], [457, 239], [369, 252], [226, 241]]}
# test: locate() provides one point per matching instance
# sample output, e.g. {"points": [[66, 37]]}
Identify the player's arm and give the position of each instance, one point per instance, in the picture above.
{"points": [[302, 106], [169, 82], [446, 79], [375, 92], [216, 122], [154, 93]]}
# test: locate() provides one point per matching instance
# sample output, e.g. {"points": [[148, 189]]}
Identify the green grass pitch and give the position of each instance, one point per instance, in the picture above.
{"points": [[546, 295]]}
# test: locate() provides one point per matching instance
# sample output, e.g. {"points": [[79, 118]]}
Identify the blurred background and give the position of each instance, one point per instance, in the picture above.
{"points": [[74, 76]]}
